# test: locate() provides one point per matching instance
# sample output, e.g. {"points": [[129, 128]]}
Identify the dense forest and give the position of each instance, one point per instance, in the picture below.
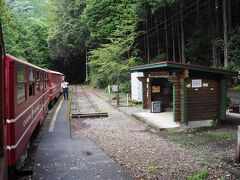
{"points": [[112, 36]]}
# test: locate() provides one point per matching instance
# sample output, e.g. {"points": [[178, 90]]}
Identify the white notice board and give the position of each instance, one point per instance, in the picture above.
{"points": [[196, 83], [115, 88]]}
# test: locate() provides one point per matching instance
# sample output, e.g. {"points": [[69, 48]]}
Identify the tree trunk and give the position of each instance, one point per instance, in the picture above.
{"points": [[217, 30], [145, 47], [213, 31], [166, 32], [173, 42], [179, 42], [182, 35], [225, 33], [158, 44], [197, 4], [229, 16], [147, 41], [237, 7]]}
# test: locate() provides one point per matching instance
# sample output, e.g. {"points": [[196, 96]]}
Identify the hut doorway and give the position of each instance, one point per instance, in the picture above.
{"points": [[162, 90]]}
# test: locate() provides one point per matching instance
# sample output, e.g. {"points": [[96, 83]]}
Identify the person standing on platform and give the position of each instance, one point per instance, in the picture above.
{"points": [[64, 86]]}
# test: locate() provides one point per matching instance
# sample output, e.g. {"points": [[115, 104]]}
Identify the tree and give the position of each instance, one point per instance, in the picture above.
{"points": [[111, 61], [68, 36], [24, 33], [225, 33]]}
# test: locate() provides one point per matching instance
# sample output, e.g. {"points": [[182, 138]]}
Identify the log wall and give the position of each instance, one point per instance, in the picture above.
{"points": [[203, 103]]}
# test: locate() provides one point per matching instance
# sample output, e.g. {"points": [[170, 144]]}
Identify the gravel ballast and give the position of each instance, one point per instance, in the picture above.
{"points": [[141, 150]]}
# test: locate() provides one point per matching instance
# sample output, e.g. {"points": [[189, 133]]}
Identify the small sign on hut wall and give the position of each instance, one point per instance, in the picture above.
{"points": [[196, 83], [155, 89]]}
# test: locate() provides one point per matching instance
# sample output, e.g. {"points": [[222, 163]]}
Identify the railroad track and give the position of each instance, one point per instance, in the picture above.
{"points": [[89, 99], [83, 105]]}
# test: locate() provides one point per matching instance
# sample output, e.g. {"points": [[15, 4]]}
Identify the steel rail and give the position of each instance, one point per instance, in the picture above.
{"points": [[89, 100]]}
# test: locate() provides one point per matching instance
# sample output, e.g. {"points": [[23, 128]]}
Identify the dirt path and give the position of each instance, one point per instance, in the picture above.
{"points": [[142, 151]]}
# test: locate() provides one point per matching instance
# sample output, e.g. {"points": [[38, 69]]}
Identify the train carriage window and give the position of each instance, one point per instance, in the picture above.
{"points": [[32, 82], [31, 75], [38, 87], [21, 84], [38, 75], [42, 76], [41, 86], [31, 89], [46, 76]]}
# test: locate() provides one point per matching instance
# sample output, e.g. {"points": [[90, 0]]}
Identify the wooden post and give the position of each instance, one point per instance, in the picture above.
{"points": [[117, 98], [238, 146]]}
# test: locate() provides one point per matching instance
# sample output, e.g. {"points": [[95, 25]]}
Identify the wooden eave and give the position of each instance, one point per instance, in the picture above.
{"points": [[174, 65]]}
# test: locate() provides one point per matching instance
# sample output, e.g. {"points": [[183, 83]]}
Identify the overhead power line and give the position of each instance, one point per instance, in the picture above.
{"points": [[177, 14]]}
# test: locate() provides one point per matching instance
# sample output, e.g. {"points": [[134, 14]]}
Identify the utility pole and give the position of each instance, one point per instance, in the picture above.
{"points": [[86, 78]]}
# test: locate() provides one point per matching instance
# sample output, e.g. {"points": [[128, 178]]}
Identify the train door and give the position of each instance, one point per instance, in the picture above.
{"points": [[3, 152]]}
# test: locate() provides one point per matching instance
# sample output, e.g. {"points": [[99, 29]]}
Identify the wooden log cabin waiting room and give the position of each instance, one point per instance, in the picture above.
{"points": [[196, 95]]}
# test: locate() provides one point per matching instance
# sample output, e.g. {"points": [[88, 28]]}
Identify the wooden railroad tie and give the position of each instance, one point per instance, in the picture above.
{"points": [[90, 115]]}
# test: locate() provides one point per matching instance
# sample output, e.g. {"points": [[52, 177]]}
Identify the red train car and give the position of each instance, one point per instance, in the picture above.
{"points": [[25, 94], [3, 150], [27, 99], [56, 79]]}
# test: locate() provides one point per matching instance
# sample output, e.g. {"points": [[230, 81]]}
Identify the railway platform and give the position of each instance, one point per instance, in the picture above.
{"points": [[61, 157]]}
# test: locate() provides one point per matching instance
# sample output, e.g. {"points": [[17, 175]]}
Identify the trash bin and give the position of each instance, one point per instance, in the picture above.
{"points": [[156, 106]]}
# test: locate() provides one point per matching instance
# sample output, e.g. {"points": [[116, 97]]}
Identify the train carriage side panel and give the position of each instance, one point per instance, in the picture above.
{"points": [[10, 89], [55, 84], [51, 86], [3, 150], [27, 110], [46, 93]]}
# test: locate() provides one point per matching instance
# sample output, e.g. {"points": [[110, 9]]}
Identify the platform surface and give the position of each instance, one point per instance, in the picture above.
{"points": [[60, 157], [161, 120]]}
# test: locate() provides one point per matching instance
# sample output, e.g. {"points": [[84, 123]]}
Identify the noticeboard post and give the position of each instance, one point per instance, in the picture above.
{"points": [[109, 92], [115, 89], [237, 158]]}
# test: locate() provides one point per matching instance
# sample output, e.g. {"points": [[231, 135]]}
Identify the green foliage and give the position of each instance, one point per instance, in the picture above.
{"points": [[105, 16], [24, 33], [156, 4], [234, 49], [3, 10], [58, 33], [161, 57], [228, 136], [196, 44], [108, 66], [154, 168], [200, 175], [111, 61], [67, 32]]}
